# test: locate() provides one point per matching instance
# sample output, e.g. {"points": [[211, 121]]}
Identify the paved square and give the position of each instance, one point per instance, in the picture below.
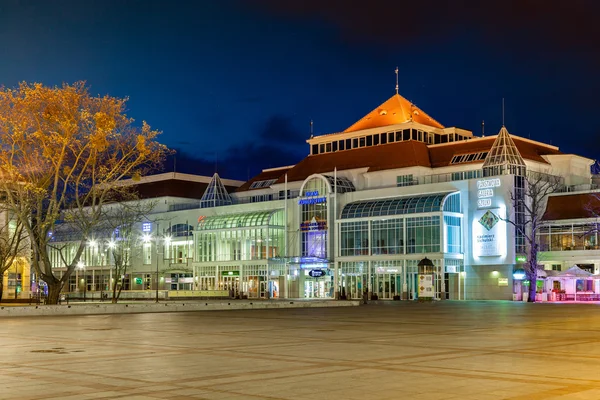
{"points": [[448, 350]]}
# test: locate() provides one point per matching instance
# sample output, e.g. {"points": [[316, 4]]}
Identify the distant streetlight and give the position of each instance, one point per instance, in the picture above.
{"points": [[81, 266]]}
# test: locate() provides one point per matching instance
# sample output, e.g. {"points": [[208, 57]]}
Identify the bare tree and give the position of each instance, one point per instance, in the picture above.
{"points": [[127, 240], [63, 154], [14, 246], [529, 199]]}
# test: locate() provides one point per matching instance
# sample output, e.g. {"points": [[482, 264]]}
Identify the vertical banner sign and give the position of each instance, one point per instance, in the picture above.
{"points": [[488, 233], [425, 285]]}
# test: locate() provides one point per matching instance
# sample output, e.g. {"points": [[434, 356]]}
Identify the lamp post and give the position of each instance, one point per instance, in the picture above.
{"points": [[81, 266]]}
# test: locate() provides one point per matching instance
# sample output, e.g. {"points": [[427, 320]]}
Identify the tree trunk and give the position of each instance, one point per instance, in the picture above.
{"points": [[532, 290], [1, 287], [54, 289], [114, 291]]}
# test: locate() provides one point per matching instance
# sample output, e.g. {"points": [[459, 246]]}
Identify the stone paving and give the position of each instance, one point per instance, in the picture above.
{"points": [[447, 350]]}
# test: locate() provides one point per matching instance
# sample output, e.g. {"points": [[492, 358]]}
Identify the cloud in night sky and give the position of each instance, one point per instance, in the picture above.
{"points": [[275, 142]]}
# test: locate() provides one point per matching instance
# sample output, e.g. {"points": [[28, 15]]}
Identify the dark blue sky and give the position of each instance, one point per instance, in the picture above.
{"points": [[239, 81]]}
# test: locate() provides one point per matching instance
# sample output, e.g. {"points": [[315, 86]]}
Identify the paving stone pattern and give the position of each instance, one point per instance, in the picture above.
{"points": [[447, 350]]}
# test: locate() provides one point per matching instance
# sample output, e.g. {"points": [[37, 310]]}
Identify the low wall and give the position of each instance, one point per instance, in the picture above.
{"points": [[179, 306]]}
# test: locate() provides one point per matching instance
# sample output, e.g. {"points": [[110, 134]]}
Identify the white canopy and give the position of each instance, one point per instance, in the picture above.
{"points": [[575, 272]]}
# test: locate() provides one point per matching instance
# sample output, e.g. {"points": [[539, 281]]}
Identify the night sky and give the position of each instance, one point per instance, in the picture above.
{"points": [[236, 83]]}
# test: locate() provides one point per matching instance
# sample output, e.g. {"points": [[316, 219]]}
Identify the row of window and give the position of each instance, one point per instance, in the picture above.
{"points": [[469, 157], [262, 184], [397, 236], [384, 138]]}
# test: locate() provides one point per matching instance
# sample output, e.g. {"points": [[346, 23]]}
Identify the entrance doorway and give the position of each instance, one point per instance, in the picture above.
{"points": [[352, 286], [388, 285], [318, 288], [232, 284]]}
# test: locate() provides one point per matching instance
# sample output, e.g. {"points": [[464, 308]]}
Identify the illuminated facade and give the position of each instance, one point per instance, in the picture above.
{"points": [[356, 215]]}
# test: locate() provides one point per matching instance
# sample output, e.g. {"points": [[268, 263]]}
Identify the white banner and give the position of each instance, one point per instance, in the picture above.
{"points": [[489, 233], [425, 285]]}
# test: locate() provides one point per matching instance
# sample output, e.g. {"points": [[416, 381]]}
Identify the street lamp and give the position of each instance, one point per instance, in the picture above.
{"points": [[81, 266]]}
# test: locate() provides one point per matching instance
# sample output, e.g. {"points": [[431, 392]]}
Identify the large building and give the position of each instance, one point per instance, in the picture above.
{"points": [[357, 214]]}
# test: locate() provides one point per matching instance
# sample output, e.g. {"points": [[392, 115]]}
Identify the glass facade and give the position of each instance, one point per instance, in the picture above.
{"points": [[407, 235], [314, 218], [568, 237], [240, 237], [398, 206]]}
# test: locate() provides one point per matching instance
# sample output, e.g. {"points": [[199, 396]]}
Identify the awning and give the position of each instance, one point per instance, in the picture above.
{"points": [[242, 220], [401, 205]]}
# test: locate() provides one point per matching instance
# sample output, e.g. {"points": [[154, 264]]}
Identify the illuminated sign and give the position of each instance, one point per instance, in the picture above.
{"points": [[502, 281], [316, 273], [138, 281], [311, 199], [313, 225], [147, 227], [426, 285], [481, 203], [485, 191], [488, 183], [489, 233], [230, 273]]}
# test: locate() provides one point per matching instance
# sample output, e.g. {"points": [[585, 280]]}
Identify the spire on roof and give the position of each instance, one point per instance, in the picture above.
{"points": [[396, 80], [215, 194], [503, 157]]}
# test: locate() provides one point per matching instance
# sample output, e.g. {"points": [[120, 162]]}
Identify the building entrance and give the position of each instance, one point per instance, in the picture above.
{"points": [[387, 285], [232, 284], [317, 288], [352, 286]]}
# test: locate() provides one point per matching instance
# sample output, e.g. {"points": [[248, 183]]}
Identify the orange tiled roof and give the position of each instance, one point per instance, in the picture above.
{"points": [[404, 154], [390, 156], [395, 110], [574, 206]]}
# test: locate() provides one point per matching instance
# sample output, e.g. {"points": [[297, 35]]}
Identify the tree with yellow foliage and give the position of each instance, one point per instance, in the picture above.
{"points": [[63, 153]]}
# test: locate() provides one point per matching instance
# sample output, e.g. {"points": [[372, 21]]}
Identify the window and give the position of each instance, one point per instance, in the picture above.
{"points": [[315, 149], [147, 253], [387, 236], [555, 267], [375, 140], [342, 143], [406, 134], [479, 156], [423, 235], [390, 137], [328, 147], [453, 234], [584, 285], [420, 133], [355, 143], [384, 137], [322, 148], [369, 140], [334, 146], [354, 238], [362, 141], [262, 184], [405, 180], [399, 136], [415, 134], [348, 144]]}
